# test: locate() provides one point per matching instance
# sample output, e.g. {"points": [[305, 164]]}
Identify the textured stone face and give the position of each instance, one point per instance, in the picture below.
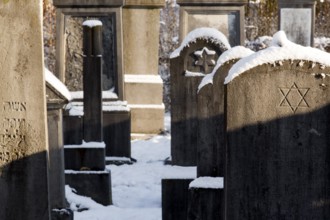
{"points": [[23, 146], [278, 161], [187, 71]]}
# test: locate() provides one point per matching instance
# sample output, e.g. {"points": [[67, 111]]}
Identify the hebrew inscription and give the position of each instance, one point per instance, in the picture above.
{"points": [[13, 130], [294, 97]]}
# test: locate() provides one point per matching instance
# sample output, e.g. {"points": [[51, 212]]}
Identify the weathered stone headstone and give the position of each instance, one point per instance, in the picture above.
{"points": [[211, 112], [297, 19], [207, 192], [23, 137], [57, 97], [278, 115], [195, 58], [224, 15]]}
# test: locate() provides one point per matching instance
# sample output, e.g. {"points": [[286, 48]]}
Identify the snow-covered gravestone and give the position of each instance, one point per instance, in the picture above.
{"points": [[278, 116], [195, 58], [23, 137], [211, 110]]}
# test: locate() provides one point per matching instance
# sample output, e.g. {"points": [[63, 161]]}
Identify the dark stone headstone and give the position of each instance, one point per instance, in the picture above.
{"points": [[94, 184], [117, 129], [195, 60], [92, 47], [175, 198], [278, 164]]}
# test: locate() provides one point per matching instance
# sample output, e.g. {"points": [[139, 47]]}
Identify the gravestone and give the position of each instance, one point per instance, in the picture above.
{"points": [[85, 163], [195, 58], [207, 192], [278, 115], [23, 137], [224, 15], [211, 111], [297, 19], [57, 97]]}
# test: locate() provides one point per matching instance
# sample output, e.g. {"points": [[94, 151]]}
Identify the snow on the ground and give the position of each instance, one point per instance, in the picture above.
{"points": [[136, 189]]}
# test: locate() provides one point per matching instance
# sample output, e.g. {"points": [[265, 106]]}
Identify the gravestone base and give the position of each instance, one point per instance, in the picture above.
{"points": [[206, 204], [62, 214], [175, 197], [82, 158], [94, 184]]}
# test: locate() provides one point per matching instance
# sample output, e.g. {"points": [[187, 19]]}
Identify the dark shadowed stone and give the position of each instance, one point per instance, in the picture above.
{"points": [[206, 204], [72, 129], [81, 158], [211, 128], [117, 133], [187, 71], [94, 184], [278, 164], [175, 197]]}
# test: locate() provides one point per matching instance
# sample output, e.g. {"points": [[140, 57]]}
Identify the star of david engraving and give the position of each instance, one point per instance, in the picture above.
{"points": [[294, 97], [205, 59]]}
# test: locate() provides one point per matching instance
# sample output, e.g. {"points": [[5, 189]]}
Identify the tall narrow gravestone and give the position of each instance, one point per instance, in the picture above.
{"points": [[278, 116], [195, 58], [23, 139]]}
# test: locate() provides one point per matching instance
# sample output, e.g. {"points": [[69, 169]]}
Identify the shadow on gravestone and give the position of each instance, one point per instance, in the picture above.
{"points": [[211, 108], [195, 58], [278, 154], [23, 186]]}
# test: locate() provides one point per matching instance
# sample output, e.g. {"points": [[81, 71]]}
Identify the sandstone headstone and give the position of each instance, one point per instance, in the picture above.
{"points": [[278, 115], [195, 58], [23, 137], [224, 15]]}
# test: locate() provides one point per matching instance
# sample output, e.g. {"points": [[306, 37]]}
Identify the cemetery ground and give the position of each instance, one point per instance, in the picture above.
{"points": [[136, 188]]}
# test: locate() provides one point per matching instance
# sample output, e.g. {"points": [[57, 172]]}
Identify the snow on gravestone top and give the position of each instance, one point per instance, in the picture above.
{"points": [[92, 23], [207, 182], [233, 53], [209, 34], [281, 49], [52, 80]]}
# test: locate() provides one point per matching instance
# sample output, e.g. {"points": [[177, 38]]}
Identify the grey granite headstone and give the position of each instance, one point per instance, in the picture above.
{"points": [[278, 164], [23, 138]]}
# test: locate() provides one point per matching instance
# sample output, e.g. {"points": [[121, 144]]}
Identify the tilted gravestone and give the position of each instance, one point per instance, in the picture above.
{"points": [[23, 138], [195, 58], [278, 116]]}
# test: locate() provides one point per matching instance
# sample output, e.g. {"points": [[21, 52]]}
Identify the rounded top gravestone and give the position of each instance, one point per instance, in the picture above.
{"points": [[195, 58], [278, 115]]}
